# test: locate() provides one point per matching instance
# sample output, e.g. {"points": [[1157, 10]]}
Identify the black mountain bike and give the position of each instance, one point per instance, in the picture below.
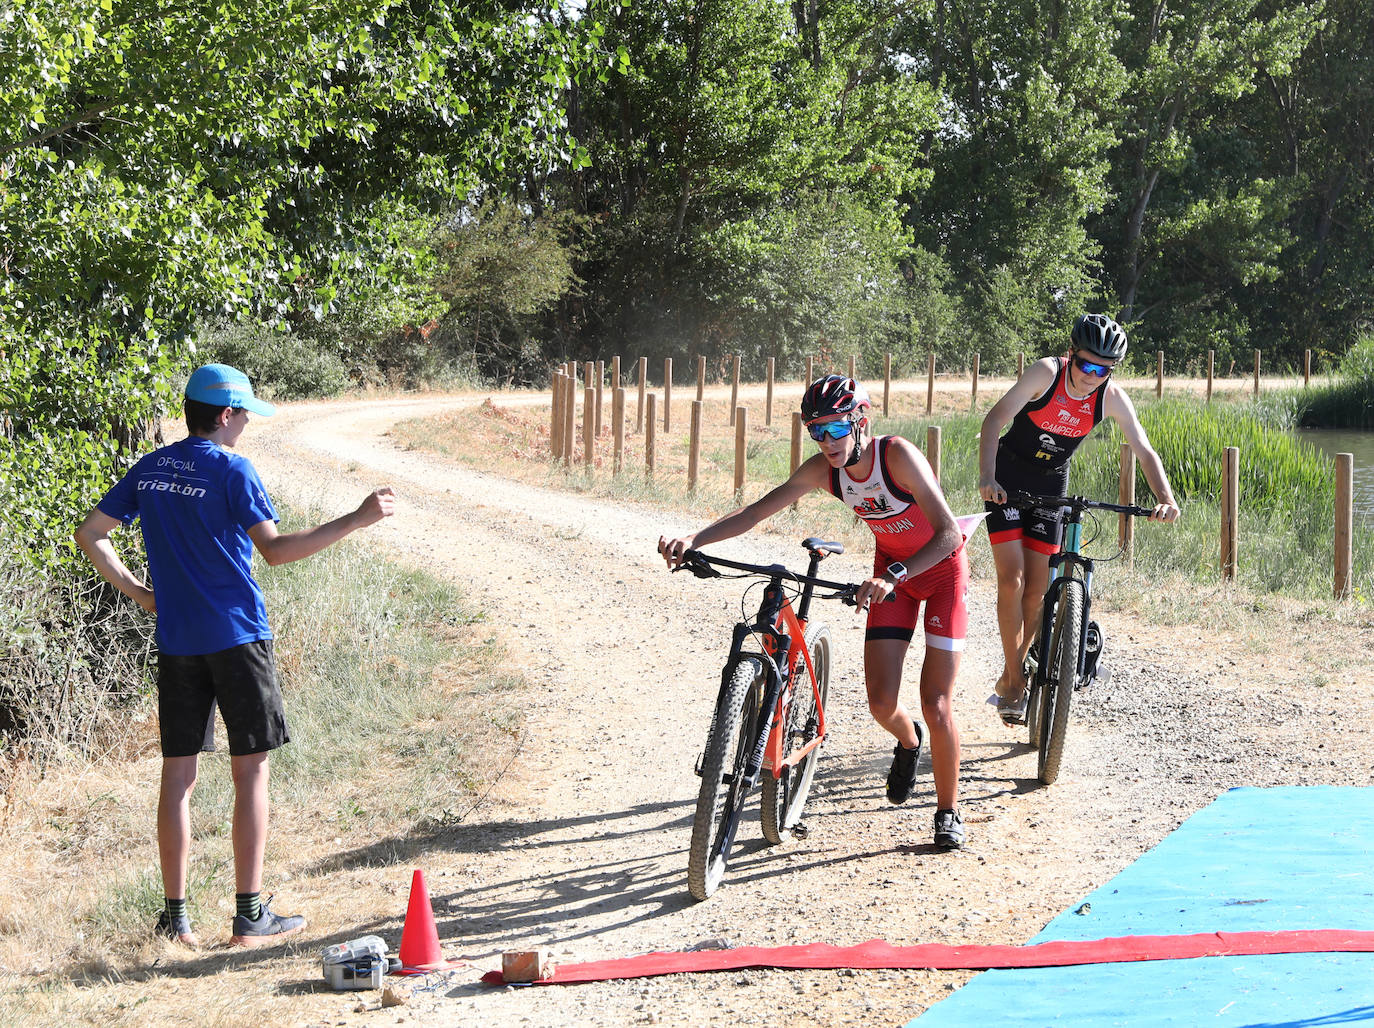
{"points": [[1064, 656], [769, 718]]}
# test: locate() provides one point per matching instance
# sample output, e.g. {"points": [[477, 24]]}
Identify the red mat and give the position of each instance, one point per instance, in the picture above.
{"points": [[933, 956]]}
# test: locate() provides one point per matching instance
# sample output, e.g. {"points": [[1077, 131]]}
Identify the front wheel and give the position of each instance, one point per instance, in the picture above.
{"points": [[1060, 679], [785, 796], [721, 796]]}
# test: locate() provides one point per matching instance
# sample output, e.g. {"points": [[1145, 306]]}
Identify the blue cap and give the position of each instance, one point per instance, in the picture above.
{"points": [[222, 386]]}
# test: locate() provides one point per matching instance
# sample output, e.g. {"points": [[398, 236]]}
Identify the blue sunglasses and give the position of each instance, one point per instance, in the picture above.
{"points": [[1089, 368], [831, 429]]}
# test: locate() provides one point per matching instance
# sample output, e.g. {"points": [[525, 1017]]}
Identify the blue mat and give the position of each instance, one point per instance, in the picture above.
{"points": [[1254, 860]]}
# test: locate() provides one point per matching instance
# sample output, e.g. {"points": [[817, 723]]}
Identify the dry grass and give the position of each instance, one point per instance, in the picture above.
{"points": [[371, 782]]}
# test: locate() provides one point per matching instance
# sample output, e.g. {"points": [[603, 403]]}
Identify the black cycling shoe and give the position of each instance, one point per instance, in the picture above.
{"points": [[902, 775], [949, 829]]}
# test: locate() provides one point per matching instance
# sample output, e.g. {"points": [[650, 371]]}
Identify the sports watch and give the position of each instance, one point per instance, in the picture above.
{"points": [[898, 572]]}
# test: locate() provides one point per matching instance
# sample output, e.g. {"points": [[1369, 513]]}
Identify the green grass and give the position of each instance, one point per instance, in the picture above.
{"points": [[379, 682], [401, 717]]}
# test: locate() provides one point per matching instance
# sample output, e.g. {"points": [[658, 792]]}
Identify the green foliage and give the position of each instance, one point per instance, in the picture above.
{"points": [[280, 364], [498, 268], [164, 167], [1357, 366]]}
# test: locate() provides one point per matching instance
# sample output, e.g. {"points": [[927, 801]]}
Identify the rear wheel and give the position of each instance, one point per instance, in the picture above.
{"points": [[722, 794], [785, 796], [1062, 654]]}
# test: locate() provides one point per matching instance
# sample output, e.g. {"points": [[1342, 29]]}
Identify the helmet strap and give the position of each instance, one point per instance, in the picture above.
{"points": [[858, 451]]}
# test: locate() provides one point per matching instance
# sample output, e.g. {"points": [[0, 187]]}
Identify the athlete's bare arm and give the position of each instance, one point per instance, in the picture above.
{"points": [[812, 474], [1117, 405], [1037, 378]]}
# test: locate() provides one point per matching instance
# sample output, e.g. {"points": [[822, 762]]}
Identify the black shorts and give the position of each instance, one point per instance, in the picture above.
{"points": [[1036, 528], [241, 681]]}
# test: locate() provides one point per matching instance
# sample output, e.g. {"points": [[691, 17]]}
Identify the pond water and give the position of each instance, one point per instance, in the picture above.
{"points": [[1361, 446]]}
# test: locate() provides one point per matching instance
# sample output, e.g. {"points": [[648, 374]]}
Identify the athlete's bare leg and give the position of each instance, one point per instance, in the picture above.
{"points": [[883, 659]]}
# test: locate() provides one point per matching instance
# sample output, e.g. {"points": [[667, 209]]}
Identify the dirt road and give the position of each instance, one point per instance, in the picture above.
{"points": [[581, 847]]}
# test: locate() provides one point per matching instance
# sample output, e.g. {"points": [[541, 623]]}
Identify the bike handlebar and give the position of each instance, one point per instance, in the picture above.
{"points": [[703, 566], [1020, 498]]}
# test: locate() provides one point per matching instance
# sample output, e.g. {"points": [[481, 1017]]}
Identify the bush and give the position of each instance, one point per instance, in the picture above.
{"points": [[281, 364], [73, 660]]}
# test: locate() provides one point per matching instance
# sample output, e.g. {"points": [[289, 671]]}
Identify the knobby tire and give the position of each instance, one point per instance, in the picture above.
{"points": [[784, 797], [1063, 675], [721, 796]]}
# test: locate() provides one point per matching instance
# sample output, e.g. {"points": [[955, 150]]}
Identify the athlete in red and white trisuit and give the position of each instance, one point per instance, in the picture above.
{"points": [[1054, 405], [919, 557]]}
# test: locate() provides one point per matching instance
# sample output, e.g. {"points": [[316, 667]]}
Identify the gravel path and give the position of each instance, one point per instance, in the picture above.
{"points": [[581, 848]]}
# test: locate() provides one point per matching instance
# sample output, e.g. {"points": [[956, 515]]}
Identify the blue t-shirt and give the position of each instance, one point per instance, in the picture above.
{"points": [[195, 502]]}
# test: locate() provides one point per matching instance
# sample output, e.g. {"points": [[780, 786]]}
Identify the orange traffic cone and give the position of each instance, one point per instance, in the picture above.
{"points": [[419, 937]]}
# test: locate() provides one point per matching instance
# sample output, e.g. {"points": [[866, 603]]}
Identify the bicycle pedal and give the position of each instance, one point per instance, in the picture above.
{"points": [[799, 830]]}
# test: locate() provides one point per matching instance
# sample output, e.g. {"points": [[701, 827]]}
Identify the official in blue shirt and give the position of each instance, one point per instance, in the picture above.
{"points": [[202, 511]]}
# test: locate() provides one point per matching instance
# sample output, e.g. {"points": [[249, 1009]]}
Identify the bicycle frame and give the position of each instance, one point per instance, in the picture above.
{"points": [[780, 630], [1069, 556]]}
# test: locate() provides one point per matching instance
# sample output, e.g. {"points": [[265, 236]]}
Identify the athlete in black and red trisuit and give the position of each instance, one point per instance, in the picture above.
{"points": [[919, 556], [1054, 405]]}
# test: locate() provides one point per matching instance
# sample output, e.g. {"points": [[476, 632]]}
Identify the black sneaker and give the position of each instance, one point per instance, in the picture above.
{"points": [[267, 929], [901, 777], [178, 929], [949, 829]]}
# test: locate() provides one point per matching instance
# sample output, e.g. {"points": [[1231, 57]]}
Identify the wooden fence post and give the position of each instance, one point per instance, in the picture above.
{"points": [[588, 427], [930, 384], [1126, 495], [1257, 369], [741, 453], [569, 417], [615, 371], [701, 378], [600, 378], [887, 380], [1020, 364], [667, 395], [768, 401], [1159, 374], [618, 413], [643, 388], [1306, 368], [694, 446], [650, 433], [973, 402], [1345, 523], [933, 450], [1230, 505], [810, 371], [796, 447], [734, 387], [556, 417], [852, 365], [1211, 367]]}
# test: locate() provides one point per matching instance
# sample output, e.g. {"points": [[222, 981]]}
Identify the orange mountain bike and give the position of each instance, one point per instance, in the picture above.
{"points": [[769, 719]]}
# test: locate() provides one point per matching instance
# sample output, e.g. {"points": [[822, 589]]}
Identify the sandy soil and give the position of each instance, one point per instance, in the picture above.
{"points": [[581, 847]]}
